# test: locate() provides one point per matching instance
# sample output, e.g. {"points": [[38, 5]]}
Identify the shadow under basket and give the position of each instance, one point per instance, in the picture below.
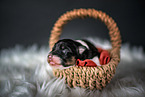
{"points": [[89, 77]]}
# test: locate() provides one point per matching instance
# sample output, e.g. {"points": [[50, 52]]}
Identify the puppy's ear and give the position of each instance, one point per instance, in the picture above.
{"points": [[81, 49]]}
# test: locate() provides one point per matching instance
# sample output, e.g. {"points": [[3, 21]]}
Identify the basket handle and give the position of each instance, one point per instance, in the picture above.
{"points": [[83, 13]]}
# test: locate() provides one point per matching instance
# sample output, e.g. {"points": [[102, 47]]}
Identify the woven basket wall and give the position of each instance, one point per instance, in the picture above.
{"points": [[89, 77]]}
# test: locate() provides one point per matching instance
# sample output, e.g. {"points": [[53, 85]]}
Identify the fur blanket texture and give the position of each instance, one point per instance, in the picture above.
{"points": [[24, 72]]}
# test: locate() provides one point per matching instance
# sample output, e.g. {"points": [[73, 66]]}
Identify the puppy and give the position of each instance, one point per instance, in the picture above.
{"points": [[66, 51]]}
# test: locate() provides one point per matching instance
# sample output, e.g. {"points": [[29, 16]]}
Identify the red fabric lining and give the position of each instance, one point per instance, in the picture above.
{"points": [[104, 59]]}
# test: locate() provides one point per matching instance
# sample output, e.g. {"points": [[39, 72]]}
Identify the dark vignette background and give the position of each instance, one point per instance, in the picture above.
{"points": [[26, 22]]}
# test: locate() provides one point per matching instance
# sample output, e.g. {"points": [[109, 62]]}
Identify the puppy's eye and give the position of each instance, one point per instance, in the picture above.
{"points": [[65, 51]]}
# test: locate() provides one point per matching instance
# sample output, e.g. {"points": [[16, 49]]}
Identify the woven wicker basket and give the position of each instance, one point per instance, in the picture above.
{"points": [[88, 77]]}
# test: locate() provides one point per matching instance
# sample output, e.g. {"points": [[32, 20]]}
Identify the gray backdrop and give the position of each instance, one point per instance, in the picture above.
{"points": [[30, 21]]}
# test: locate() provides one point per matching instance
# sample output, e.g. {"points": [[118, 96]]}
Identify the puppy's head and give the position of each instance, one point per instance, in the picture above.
{"points": [[63, 53]]}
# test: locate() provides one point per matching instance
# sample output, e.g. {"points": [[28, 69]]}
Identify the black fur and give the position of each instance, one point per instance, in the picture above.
{"points": [[93, 51]]}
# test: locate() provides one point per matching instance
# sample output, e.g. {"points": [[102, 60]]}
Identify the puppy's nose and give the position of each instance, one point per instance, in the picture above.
{"points": [[54, 60]]}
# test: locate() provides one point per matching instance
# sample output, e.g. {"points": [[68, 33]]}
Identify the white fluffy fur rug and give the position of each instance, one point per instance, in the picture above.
{"points": [[24, 72]]}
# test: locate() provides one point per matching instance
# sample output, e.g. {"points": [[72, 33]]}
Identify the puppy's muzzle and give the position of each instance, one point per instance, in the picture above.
{"points": [[54, 60]]}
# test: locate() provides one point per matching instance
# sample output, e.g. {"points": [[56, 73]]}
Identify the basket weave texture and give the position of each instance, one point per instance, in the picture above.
{"points": [[89, 77]]}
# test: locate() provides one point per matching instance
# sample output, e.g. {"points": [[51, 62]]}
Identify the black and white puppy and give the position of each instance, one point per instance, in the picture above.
{"points": [[66, 51]]}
